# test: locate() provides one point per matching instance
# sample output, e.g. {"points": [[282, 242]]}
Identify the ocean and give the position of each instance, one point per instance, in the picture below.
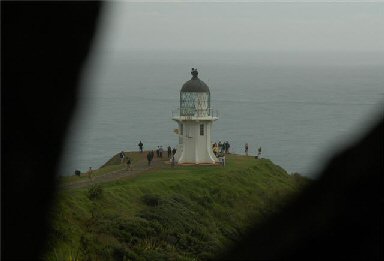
{"points": [[300, 108]]}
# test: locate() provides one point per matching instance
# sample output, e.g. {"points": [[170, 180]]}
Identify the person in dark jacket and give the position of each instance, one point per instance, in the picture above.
{"points": [[129, 163], [122, 156], [140, 146], [169, 151], [149, 158]]}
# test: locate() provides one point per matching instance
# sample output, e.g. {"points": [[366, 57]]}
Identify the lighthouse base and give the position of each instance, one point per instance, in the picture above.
{"points": [[195, 145]]}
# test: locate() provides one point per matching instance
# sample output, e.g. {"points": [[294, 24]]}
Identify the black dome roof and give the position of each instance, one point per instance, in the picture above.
{"points": [[194, 84]]}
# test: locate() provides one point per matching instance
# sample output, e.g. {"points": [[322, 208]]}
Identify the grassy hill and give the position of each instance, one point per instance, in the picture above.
{"points": [[165, 213]]}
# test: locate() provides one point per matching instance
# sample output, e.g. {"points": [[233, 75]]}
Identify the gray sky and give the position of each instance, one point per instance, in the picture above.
{"points": [[243, 26]]}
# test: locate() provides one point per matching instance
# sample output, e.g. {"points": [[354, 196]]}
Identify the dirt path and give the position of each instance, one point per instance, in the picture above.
{"points": [[138, 168]]}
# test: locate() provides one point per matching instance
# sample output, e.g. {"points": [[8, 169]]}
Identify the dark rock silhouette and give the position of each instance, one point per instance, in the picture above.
{"points": [[338, 216], [44, 47]]}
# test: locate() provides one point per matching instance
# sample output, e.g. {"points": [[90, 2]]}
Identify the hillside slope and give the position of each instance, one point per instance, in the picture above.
{"points": [[165, 213]]}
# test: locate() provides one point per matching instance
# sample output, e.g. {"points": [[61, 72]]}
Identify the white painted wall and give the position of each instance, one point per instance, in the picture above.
{"points": [[193, 147]]}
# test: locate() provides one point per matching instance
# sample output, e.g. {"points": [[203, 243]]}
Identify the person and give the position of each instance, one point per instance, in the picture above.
{"points": [[174, 151], [122, 156], [227, 147], [158, 152], [246, 149], [161, 151], [173, 161], [221, 157], [259, 153], [90, 173], [215, 149], [149, 157], [169, 151], [140, 146], [129, 162]]}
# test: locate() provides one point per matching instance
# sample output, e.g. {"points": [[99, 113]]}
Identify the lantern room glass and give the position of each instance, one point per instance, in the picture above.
{"points": [[195, 104]]}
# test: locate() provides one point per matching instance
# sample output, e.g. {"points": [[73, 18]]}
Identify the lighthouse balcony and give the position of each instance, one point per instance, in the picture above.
{"points": [[194, 114]]}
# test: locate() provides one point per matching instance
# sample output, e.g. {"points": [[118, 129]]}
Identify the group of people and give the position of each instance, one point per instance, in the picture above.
{"points": [[127, 160], [217, 147], [246, 148], [171, 152], [220, 148], [159, 150], [159, 153]]}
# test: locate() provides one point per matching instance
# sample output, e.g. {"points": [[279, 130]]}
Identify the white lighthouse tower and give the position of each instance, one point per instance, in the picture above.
{"points": [[195, 117]]}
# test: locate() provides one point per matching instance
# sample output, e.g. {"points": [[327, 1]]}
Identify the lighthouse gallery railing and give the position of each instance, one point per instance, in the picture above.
{"points": [[190, 112]]}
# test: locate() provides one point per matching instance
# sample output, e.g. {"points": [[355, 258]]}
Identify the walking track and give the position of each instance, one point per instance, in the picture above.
{"points": [[138, 167]]}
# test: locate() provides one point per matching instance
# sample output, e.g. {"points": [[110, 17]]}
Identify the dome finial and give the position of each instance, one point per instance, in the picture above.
{"points": [[194, 72]]}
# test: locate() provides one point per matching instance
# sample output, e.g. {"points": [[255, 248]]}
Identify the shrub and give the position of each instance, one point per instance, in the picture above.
{"points": [[151, 200], [95, 192]]}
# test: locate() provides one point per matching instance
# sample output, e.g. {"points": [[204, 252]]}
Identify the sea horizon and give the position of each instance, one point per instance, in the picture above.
{"points": [[299, 107]]}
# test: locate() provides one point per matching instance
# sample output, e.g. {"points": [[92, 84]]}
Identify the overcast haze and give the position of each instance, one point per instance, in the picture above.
{"points": [[351, 27]]}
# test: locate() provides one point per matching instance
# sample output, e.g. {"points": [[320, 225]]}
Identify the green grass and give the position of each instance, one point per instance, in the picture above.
{"points": [[182, 213], [114, 164]]}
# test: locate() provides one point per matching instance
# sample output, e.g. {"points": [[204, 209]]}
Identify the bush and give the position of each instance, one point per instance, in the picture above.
{"points": [[151, 200], [95, 192]]}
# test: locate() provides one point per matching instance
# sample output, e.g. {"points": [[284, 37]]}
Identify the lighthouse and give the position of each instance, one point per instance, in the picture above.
{"points": [[195, 118]]}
